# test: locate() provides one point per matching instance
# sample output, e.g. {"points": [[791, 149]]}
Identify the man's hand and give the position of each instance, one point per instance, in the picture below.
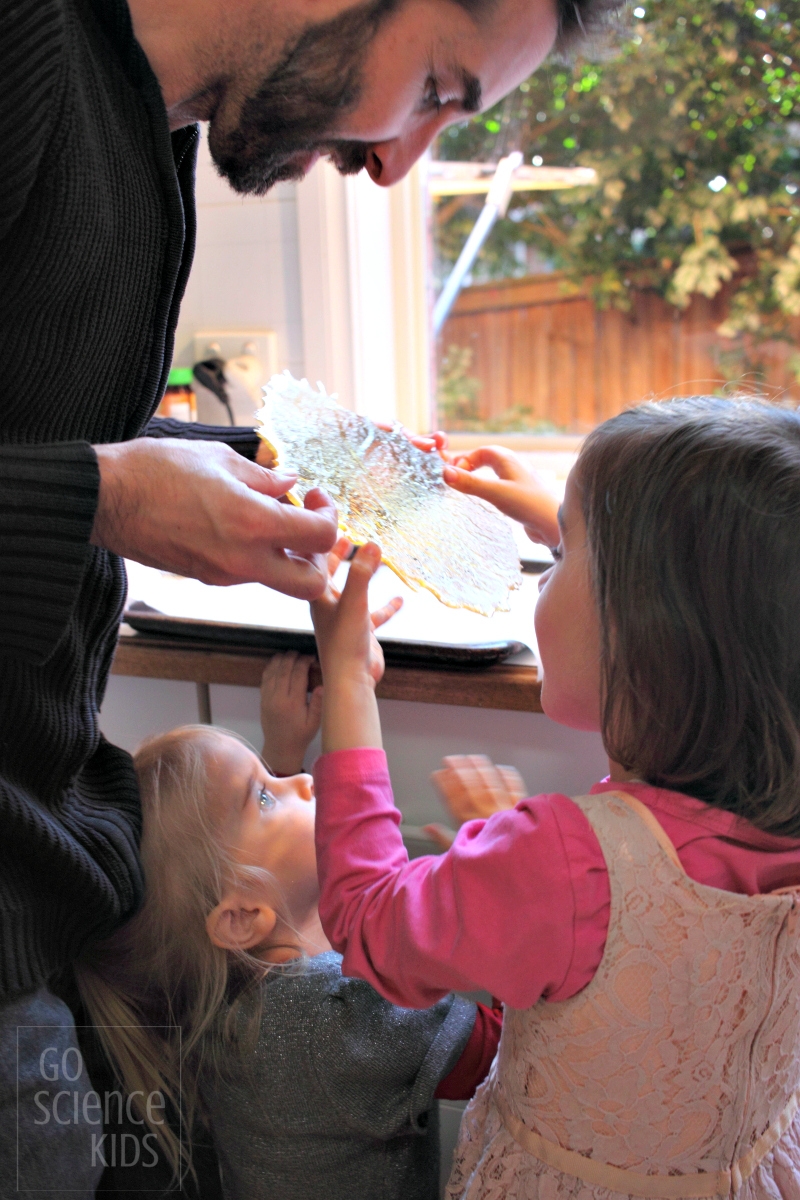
{"points": [[200, 509], [290, 713], [515, 491], [472, 786]]}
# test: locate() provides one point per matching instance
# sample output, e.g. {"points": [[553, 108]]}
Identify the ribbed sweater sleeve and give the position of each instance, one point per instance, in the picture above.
{"points": [[31, 46], [48, 498], [240, 438]]}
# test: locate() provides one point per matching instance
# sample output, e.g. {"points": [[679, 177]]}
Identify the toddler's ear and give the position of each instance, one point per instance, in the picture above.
{"points": [[239, 923]]}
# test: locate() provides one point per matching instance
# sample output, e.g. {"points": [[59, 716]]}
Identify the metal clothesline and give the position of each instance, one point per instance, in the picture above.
{"points": [[459, 178]]}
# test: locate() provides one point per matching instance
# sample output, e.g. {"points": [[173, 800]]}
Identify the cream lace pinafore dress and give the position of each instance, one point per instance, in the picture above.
{"points": [[676, 1071]]}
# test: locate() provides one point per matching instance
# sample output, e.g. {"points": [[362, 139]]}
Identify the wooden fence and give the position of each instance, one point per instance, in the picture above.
{"points": [[535, 346]]}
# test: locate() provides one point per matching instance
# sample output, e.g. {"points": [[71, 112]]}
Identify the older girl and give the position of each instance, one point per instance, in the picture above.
{"points": [[645, 938]]}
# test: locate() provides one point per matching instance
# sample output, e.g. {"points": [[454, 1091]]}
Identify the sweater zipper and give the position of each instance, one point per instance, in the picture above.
{"points": [[190, 141]]}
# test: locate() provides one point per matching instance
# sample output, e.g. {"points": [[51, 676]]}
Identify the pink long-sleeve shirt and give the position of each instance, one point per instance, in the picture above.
{"points": [[519, 905]]}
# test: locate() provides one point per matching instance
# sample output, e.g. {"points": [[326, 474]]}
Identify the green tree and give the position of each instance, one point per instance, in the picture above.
{"points": [[693, 127]]}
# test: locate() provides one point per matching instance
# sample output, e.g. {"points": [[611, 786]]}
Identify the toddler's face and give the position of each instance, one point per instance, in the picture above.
{"points": [[268, 822], [567, 625]]}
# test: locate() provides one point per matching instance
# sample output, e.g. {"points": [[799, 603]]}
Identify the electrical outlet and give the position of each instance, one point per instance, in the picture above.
{"points": [[233, 342], [228, 345]]}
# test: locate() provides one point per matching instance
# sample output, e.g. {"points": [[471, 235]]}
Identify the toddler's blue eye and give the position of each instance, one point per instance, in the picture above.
{"points": [[266, 798]]}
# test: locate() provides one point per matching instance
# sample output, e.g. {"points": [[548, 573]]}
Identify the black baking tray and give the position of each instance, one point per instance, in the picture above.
{"points": [[145, 619]]}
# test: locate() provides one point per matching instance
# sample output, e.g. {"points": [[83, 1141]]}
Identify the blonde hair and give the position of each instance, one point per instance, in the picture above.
{"points": [[163, 997]]}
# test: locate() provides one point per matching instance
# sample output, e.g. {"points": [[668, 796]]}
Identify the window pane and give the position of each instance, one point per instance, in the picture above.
{"points": [[678, 272]]}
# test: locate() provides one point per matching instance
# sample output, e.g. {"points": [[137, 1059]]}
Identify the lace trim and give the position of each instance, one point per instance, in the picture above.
{"points": [[654, 825], [652, 1187]]}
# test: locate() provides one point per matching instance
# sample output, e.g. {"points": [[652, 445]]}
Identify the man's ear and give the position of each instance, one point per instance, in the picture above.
{"points": [[240, 923]]}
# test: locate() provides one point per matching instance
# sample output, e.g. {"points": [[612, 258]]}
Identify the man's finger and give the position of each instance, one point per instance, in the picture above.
{"points": [[264, 480], [309, 530], [304, 577]]}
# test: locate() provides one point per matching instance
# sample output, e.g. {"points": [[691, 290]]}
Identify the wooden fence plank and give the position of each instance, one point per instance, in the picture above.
{"points": [[538, 346]]}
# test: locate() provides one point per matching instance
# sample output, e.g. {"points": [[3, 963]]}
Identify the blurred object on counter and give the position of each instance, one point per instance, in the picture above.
{"points": [[179, 400], [211, 375]]}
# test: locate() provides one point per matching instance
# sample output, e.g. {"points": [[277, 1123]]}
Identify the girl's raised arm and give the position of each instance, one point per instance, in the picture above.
{"points": [[351, 659], [505, 909]]}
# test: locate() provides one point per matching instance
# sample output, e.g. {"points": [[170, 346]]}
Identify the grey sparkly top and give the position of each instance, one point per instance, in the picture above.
{"points": [[336, 1099]]}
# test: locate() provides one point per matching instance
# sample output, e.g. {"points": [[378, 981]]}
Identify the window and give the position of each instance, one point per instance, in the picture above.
{"points": [[678, 271]]}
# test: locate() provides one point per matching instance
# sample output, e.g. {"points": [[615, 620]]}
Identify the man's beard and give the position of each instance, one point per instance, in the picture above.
{"points": [[297, 107]]}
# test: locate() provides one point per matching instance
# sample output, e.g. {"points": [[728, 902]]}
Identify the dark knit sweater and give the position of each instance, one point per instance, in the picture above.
{"points": [[96, 242]]}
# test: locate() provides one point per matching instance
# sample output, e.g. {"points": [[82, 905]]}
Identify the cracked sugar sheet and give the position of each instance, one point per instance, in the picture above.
{"points": [[386, 490], [421, 619]]}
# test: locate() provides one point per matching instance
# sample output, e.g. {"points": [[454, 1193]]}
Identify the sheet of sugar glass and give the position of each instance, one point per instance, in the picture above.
{"points": [[421, 619], [390, 492]]}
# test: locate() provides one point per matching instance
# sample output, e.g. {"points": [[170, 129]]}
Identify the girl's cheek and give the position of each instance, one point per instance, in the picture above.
{"points": [[543, 616]]}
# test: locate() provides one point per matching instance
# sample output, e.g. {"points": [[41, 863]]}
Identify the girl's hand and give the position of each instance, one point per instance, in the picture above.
{"points": [[471, 786], [350, 655], [290, 714], [516, 492], [343, 551], [343, 626], [423, 441]]}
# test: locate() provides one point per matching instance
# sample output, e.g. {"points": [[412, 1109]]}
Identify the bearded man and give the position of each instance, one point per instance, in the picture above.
{"points": [[98, 113]]}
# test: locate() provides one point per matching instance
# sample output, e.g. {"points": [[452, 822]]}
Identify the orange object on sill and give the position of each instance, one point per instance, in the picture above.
{"points": [[179, 400]]}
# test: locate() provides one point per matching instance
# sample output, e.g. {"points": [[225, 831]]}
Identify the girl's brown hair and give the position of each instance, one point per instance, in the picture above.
{"points": [[692, 510]]}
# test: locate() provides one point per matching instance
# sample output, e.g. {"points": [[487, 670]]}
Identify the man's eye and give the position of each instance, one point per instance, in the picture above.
{"points": [[266, 798]]}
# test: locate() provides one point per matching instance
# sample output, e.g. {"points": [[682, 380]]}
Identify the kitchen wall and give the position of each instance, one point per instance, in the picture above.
{"points": [[416, 736], [246, 272]]}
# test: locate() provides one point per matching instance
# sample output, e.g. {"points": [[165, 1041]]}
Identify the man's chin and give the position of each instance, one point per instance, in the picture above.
{"points": [[252, 180], [257, 177]]}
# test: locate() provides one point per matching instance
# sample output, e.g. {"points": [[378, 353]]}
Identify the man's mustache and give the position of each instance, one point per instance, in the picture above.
{"points": [[348, 157]]}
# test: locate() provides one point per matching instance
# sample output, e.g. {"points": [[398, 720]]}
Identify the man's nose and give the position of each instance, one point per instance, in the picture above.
{"points": [[388, 162]]}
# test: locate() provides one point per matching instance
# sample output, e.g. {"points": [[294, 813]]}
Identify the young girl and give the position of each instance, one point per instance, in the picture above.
{"points": [[223, 994], [644, 938]]}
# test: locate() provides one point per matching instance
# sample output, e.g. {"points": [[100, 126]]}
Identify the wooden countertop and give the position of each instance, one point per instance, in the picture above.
{"points": [[505, 686]]}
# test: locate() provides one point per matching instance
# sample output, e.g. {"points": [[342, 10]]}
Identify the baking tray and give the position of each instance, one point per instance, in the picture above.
{"points": [[144, 619]]}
